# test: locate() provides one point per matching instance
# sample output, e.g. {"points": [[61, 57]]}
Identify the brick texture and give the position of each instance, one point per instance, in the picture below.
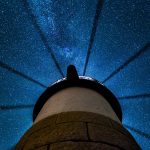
{"points": [[62, 132], [46, 147], [75, 131], [81, 146], [99, 133], [83, 117]]}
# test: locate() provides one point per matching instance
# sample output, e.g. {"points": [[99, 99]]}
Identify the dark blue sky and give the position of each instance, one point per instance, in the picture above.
{"points": [[40, 38]]}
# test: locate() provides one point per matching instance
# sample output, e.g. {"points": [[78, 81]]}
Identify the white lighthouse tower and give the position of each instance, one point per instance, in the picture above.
{"points": [[77, 113]]}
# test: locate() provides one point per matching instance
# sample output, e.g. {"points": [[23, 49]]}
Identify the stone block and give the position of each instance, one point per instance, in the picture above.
{"points": [[42, 148], [48, 122], [61, 132], [83, 117], [81, 146], [99, 133]]}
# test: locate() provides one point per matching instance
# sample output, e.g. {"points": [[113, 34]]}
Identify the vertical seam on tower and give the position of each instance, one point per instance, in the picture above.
{"points": [[48, 147], [87, 131]]}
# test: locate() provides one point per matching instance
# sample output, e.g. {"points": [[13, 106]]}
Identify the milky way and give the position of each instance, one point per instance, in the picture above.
{"points": [[40, 38]]}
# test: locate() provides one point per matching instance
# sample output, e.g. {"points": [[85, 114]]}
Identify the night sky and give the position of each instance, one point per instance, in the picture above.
{"points": [[40, 38]]}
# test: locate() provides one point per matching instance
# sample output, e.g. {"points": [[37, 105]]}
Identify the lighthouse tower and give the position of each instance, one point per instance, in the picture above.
{"points": [[77, 113]]}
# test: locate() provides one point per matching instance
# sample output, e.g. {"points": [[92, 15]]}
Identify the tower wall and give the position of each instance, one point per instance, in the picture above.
{"points": [[77, 118], [77, 131], [77, 99]]}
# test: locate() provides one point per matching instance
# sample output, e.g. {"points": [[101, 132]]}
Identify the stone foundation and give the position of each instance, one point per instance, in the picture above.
{"points": [[77, 131]]}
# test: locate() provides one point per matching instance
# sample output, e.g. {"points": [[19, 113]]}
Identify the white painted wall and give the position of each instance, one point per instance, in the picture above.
{"points": [[76, 99]]}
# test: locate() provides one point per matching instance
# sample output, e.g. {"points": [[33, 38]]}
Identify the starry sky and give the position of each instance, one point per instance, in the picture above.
{"points": [[107, 40]]}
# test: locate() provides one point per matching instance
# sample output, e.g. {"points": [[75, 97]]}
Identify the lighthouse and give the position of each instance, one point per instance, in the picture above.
{"points": [[77, 113]]}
